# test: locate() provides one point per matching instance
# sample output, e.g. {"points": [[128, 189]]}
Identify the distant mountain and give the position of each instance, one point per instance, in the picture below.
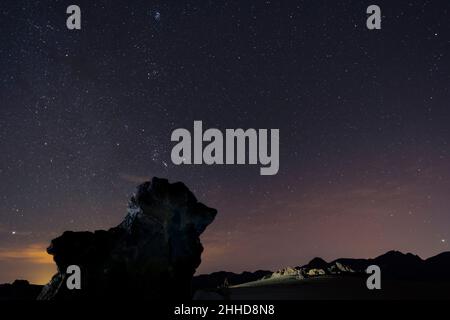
{"points": [[317, 263], [394, 265], [438, 266]]}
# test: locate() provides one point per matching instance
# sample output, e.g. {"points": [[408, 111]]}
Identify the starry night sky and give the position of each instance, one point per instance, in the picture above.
{"points": [[363, 116]]}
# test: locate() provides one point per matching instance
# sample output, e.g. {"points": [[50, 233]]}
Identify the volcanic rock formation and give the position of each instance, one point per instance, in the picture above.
{"points": [[152, 254]]}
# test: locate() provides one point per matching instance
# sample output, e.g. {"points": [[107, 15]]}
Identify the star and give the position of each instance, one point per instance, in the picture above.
{"points": [[355, 152], [157, 15]]}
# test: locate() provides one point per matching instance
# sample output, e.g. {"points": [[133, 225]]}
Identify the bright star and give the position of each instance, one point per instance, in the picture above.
{"points": [[157, 15]]}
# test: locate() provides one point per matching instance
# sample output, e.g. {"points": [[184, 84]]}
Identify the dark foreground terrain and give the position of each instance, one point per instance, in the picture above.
{"points": [[339, 287], [403, 276]]}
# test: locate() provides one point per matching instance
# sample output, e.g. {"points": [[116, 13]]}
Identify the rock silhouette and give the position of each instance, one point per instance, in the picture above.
{"points": [[404, 276], [394, 265], [19, 290], [152, 254]]}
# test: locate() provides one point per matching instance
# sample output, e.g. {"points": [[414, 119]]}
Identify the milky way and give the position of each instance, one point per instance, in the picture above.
{"points": [[85, 115]]}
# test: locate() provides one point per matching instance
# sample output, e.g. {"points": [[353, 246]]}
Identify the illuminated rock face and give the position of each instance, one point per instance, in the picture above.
{"points": [[153, 253]]}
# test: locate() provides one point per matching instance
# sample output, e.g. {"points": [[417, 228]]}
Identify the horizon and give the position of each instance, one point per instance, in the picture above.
{"points": [[51, 269], [363, 118]]}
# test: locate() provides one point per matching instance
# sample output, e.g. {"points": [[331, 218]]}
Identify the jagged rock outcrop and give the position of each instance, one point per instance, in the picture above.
{"points": [[315, 272], [337, 267], [152, 254], [287, 272]]}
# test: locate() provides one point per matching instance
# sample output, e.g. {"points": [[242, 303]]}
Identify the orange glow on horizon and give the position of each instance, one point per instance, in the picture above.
{"points": [[34, 253], [31, 262]]}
